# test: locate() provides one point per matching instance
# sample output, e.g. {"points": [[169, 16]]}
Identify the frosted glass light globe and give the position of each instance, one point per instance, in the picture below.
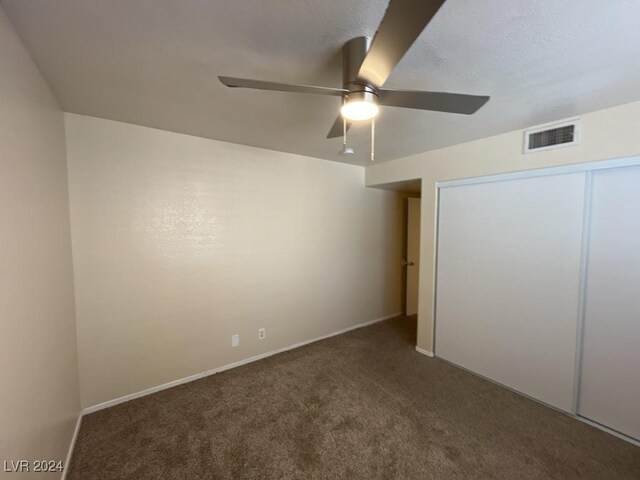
{"points": [[359, 110]]}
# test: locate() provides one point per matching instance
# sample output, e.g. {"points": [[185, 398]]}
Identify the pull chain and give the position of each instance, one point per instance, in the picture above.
{"points": [[344, 134], [373, 139]]}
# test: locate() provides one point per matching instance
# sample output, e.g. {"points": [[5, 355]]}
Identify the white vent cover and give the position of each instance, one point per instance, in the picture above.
{"points": [[551, 136]]}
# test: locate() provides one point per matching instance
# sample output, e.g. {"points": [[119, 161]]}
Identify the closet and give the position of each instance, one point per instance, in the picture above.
{"points": [[538, 287], [610, 375]]}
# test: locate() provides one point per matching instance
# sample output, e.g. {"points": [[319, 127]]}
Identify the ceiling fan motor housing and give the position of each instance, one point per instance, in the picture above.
{"points": [[353, 54]]}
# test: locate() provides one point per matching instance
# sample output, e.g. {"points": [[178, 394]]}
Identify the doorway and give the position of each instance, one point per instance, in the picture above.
{"points": [[408, 229], [410, 198]]}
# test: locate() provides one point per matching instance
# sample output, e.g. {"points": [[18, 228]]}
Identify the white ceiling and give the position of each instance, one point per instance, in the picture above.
{"points": [[155, 63]]}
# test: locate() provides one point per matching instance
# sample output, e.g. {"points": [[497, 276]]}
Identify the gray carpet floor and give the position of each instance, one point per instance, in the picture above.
{"points": [[362, 405]]}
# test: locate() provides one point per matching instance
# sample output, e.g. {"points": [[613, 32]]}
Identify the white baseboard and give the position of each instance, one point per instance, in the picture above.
{"points": [[424, 352], [197, 376], [72, 445]]}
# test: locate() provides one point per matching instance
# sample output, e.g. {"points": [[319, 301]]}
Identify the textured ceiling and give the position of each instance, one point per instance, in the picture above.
{"points": [[155, 63]]}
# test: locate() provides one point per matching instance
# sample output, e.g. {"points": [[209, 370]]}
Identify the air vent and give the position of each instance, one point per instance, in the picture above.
{"points": [[551, 136]]}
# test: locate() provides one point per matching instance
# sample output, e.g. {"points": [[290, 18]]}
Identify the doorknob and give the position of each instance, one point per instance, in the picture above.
{"points": [[407, 263]]}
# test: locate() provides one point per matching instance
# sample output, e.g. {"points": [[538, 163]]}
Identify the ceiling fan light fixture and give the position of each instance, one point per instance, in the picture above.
{"points": [[368, 62], [360, 106]]}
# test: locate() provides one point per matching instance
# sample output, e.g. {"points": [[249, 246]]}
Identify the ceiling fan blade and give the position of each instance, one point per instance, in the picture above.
{"points": [[403, 21], [280, 87], [337, 128], [436, 101]]}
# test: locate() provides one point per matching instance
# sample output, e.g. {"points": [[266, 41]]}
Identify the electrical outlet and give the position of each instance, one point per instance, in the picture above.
{"points": [[235, 340], [262, 333]]}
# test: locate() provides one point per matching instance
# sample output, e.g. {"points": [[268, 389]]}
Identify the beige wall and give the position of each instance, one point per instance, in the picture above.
{"points": [[39, 401], [180, 242], [606, 134]]}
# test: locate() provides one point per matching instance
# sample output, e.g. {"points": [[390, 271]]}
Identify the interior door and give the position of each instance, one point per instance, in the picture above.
{"points": [[413, 254], [610, 375], [509, 258]]}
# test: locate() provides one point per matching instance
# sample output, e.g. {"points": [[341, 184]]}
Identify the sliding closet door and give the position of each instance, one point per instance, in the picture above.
{"points": [[610, 380], [507, 285]]}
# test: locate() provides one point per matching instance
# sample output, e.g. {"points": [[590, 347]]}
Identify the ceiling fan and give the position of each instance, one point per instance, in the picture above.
{"points": [[367, 64]]}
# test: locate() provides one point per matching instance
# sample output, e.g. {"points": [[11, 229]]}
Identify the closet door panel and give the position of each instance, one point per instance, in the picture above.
{"points": [[610, 374], [509, 255]]}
